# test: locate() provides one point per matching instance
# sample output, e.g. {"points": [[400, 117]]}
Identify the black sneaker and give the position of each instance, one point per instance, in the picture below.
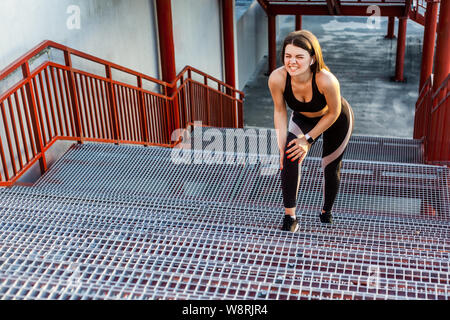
{"points": [[289, 224], [326, 217]]}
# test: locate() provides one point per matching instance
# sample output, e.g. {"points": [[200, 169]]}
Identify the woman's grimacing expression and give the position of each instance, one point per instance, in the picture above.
{"points": [[297, 60]]}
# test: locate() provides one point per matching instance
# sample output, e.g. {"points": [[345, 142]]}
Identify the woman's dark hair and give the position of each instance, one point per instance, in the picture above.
{"points": [[307, 41]]}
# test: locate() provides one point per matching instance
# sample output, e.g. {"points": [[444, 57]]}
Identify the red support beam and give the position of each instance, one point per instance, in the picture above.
{"points": [[347, 10], [34, 119], [167, 58], [391, 26], [298, 22], [429, 38], [272, 43], [166, 44], [401, 48], [442, 66], [228, 38], [73, 98], [333, 7]]}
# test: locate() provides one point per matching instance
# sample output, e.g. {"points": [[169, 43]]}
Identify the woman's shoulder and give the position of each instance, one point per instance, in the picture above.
{"points": [[277, 78], [325, 79]]}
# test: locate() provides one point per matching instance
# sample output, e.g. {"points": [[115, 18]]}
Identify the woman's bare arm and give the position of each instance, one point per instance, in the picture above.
{"points": [[280, 112], [331, 90]]}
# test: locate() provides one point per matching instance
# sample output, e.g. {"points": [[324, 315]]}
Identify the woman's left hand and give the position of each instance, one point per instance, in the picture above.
{"points": [[298, 149]]}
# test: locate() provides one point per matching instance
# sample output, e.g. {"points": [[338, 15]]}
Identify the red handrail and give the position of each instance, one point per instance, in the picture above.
{"points": [[423, 110], [47, 43], [418, 9], [431, 121], [341, 1], [439, 143], [58, 102]]}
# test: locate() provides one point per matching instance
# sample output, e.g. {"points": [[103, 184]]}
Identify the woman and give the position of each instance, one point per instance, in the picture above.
{"points": [[308, 87]]}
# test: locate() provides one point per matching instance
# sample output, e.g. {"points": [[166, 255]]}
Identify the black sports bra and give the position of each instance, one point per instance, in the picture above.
{"points": [[317, 103]]}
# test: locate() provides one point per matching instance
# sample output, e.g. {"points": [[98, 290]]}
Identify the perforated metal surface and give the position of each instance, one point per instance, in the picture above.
{"points": [[126, 222], [264, 141]]}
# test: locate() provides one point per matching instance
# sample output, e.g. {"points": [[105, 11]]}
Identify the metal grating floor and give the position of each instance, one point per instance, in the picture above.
{"points": [[127, 222], [264, 141]]}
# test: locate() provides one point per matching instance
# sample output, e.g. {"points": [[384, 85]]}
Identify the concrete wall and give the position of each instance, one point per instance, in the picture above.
{"points": [[197, 28], [108, 29], [252, 40]]}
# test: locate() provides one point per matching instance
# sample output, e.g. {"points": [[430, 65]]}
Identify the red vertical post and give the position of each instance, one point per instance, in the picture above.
{"points": [[272, 42], [34, 118], [73, 98], [440, 116], [401, 47], [442, 66], [208, 115], [167, 53], [298, 22], [240, 112], [429, 37], [166, 44], [142, 113], [390, 30], [191, 97], [112, 106], [228, 38]]}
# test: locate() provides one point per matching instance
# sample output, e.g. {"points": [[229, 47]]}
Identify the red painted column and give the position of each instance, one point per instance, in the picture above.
{"points": [[228, 38], [440, 117], [36, 128], [442, 66], [429, 37], [391, 26], [167, 60], [401, 47], [166, 45], [272, 43], [298, 22]]}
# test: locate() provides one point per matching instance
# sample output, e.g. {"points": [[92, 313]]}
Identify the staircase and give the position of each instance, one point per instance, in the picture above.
{"points": [[130, 222]]}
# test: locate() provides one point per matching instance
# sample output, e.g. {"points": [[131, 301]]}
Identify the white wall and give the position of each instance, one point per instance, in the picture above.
{"points": [[116, 30], [197, 28], [251, 31], [252, 40]]}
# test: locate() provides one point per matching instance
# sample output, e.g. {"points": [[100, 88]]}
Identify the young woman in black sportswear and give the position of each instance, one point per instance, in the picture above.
{"points": [[308, 87]]}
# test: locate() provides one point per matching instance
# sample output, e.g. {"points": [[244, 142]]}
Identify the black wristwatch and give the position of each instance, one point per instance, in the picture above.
{"points": [[309, 139]]}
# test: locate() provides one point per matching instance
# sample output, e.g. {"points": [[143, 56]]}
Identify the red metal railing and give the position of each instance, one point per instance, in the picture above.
{"points": [[423, 111], [418, 9], [432, 121], [392, 8], [58, 102], [341, 1], [199, 101]]}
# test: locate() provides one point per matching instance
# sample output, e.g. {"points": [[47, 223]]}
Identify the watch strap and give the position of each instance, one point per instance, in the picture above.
{"points": [[309, 139]]}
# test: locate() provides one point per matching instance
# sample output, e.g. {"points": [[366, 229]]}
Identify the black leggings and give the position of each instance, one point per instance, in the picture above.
{"points": [[335, 141]]}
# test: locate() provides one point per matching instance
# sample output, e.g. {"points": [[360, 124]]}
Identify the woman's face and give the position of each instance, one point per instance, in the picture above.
{"points": [[297, 60]]}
